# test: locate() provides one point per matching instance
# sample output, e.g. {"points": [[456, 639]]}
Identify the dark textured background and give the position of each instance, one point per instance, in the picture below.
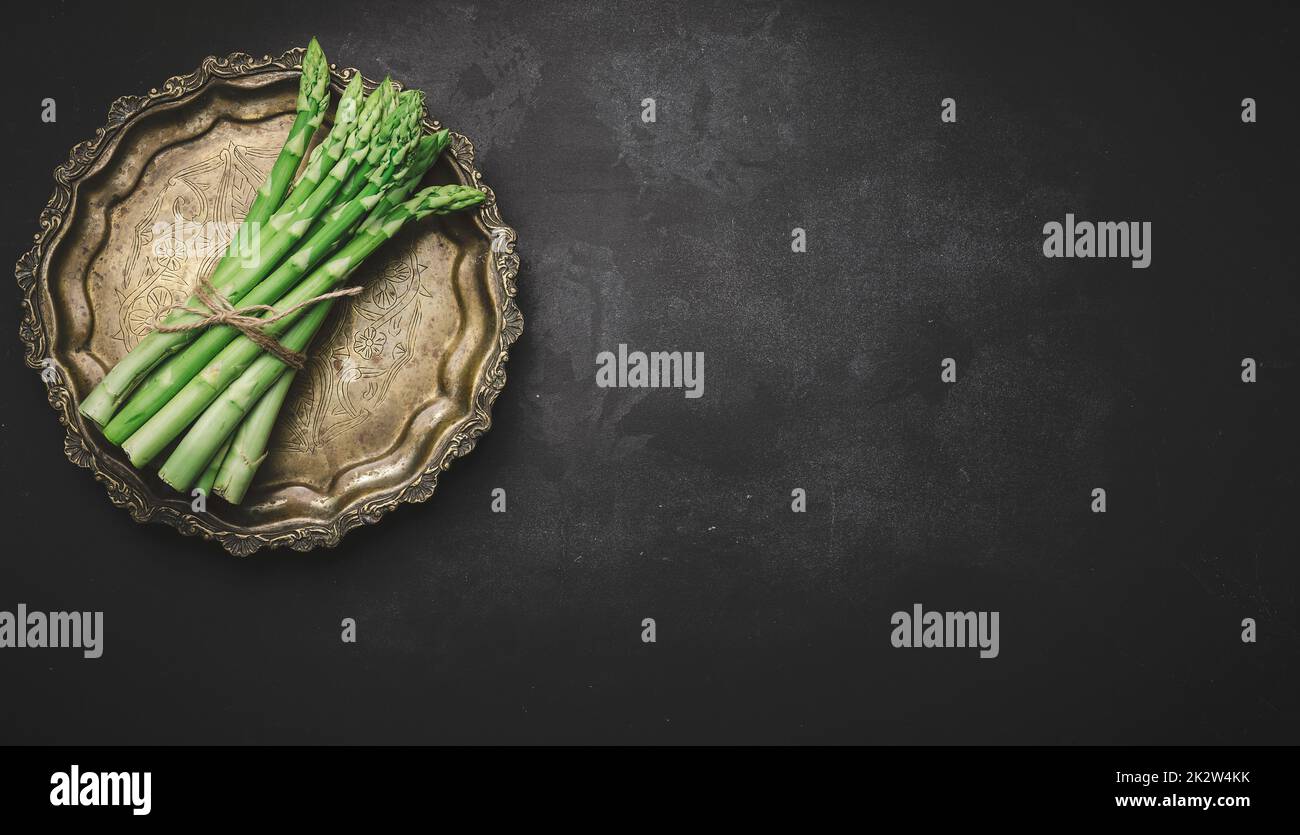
{"points": [[821, 373]]}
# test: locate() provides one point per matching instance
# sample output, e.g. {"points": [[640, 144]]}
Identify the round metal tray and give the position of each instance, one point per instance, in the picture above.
{"points": [[401, 380]]}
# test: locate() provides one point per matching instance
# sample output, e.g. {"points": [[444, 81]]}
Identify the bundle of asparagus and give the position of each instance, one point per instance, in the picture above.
{"points": [[209, 382]]}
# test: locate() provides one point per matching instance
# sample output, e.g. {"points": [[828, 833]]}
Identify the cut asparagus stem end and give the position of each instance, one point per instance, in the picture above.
{"points": [[248, 447], [210, 474]]}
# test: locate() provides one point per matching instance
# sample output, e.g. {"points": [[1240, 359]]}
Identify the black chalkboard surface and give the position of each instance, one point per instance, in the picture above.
{"points": [[905, 406]]}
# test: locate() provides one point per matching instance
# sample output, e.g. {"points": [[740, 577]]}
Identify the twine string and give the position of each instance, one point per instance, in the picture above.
{"points": [[218, 310]]}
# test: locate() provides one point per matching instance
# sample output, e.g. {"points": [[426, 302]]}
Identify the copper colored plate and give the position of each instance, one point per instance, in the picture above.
{"points": [[402, 378]]}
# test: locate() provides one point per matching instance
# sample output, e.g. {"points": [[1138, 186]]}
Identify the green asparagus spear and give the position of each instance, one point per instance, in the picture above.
{"points": [[247, 447], [210, 474], [313, 98], [312, 103], [204, 387], [324, 155], [408, 179]]}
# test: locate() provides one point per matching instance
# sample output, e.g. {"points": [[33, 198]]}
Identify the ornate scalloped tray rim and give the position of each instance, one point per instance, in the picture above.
{"points": [[32, 326]]}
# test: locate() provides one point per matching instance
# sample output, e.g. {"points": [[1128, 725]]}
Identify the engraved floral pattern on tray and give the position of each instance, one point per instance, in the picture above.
{"points": [[369, 344], [209, 197]]}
